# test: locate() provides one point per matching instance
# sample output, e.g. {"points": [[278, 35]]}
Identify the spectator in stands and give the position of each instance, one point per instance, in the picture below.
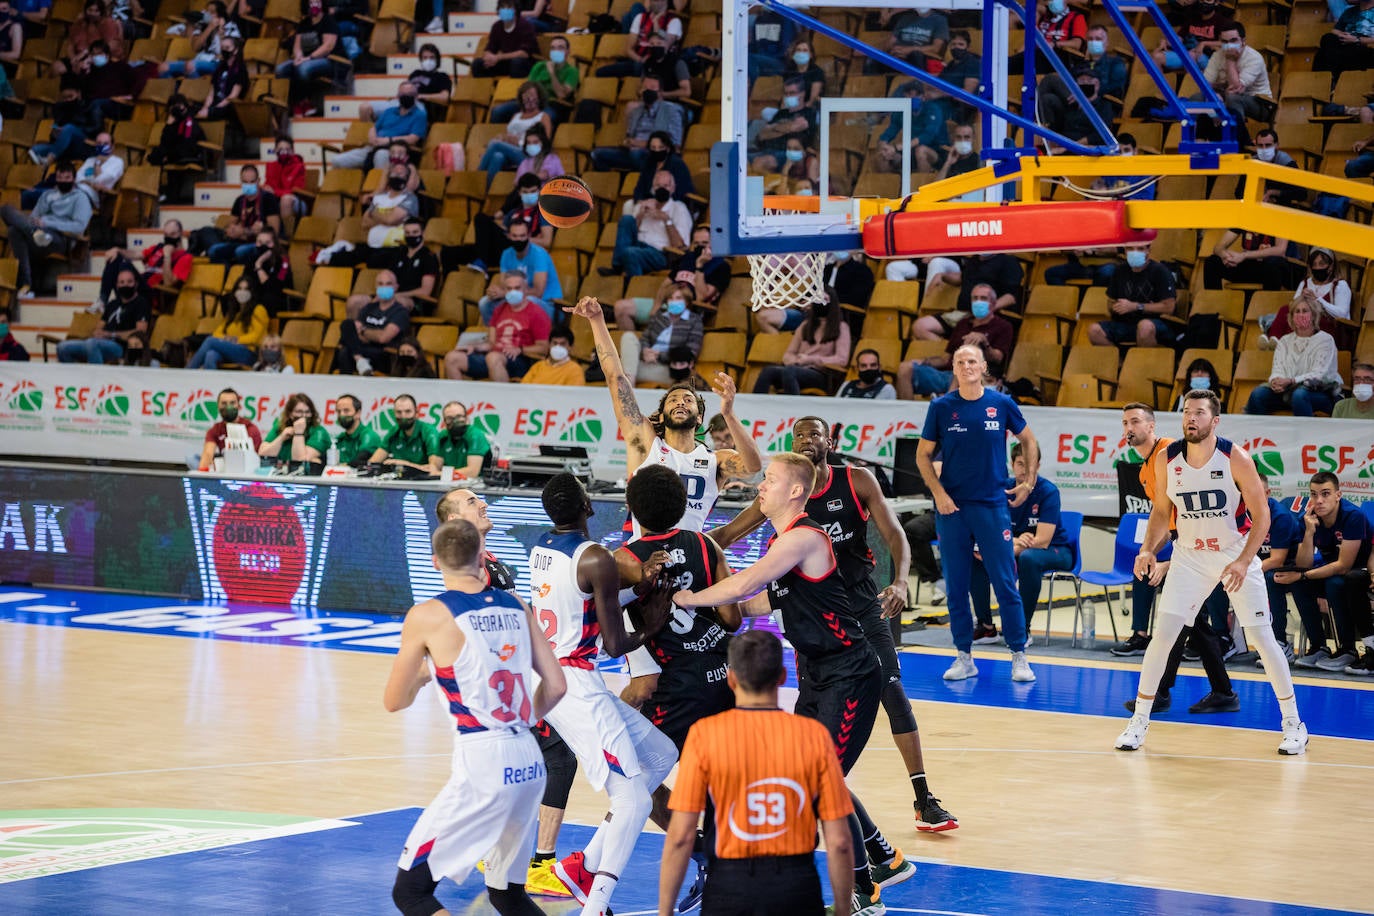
{"points": [[931, 110], [230, 407], [1259, 259], [645, 355], [1200, 375], [228, 84], [981, 327], [656, 18], [1064, 27], [531, 261], [413, 443], [254, 210], [662, 155], [286, 176], [917, 37], [11, 37], [682, 367], [107, 82], [270, 357], [557, 77], [793, 119], [384, 219], [315, 39], [1267, 150], [558, 368], [416, 269], [271, 270], [433, 87], [1305, 377], [410, 361], [1138, 297], [207, 43], [1335, 529], [94, 24], [707, 274], [1039, 542], [1360, 404], [1101, 76], [642, 119], [512, 45], [242, 326], [1200, 25], [770, 33], [962, 156], [1362, 166], [667, 63], [297, 436], [801, 169], [655, 225], [179, 144], [820, 343], [1324, 285], [1124, 187], [539, 157], [407, 122], [801, 61], [357, 441], [870, 383], [1002, 272], [1350, 43], [461, 445], [492, 231], [1240, 76], [363, 340], [1285, 534], [11, 350], [155, 260], [506, 151], [399, 154], [102, 171], [963, 69], [125, 316], [75, 121], [519, 335], [61, 215]]}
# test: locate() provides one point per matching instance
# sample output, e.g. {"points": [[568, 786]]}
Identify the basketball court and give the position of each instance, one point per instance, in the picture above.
{"points": [[166, 754]]}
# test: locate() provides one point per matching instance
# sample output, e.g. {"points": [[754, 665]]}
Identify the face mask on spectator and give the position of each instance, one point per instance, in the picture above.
{"points": [[795, 155], [529, 198], [957, 54], [1300, 321], [1320, 274], [558, 353], [316, 9], [963, 147], [65, 186], [805, 192], [980, 308], [249, 188], [271, 358], [128, 292], [515, 296], [1230, 46], [4, 329], [104, 149], [650, 96], [457, 429], [406, 101], [658, 155], [386, 293], [1199, 383], [244, 296], [838, 257], [791, 101], [414, 241], [1266, 153], [99, 60], [1363, 391], [396, 183], [677, 306], [405, 424], [1056, 7], [1136, 258], [533, 149], [679, 373], [801, 58], [662, 195], [870, 376], [1096, 47], [557, 55], [228, 414], [505, 14], [429, 64], [519, 245]]}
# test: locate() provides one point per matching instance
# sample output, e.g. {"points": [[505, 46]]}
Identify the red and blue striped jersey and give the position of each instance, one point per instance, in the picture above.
{"points": [[491, 682], [565, 613]]}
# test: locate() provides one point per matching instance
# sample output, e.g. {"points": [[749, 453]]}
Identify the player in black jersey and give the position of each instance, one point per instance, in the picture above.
{"points": [[844, 683], [842, 503], [559, 760]]}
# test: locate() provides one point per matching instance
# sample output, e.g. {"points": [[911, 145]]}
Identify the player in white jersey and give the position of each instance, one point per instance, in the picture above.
{"points": [[484, 652], [1222, 519], [574, 586]]}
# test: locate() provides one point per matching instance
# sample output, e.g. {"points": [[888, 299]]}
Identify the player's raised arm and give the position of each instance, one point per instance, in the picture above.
{"points": [[745, 522], [789, 550], [634, 426], [743, 460], [409, 670]]}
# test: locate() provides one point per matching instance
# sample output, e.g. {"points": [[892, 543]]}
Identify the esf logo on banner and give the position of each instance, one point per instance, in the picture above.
{"points": [[258, 542]]}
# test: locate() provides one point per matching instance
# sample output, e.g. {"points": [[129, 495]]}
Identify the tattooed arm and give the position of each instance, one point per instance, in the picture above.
{"points": [[634, 426]]}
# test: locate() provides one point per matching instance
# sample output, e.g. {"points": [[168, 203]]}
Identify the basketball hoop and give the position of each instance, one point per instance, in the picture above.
{"points": [[787, 280]]}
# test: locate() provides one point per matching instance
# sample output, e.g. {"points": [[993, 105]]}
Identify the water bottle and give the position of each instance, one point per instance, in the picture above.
{"points": [[331, 457], [1090, 624]]}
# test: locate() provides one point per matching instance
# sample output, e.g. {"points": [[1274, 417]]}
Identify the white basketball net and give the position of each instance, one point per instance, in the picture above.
{"points": [[787, 280]]}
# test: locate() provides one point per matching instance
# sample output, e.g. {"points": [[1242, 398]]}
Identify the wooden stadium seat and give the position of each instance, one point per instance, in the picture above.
{"points": [[1038, 362], [723, 351], [1147, 375], [1221, 360]]}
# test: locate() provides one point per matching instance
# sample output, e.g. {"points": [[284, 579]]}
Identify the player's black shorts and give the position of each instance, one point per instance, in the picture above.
{"points": [[673, 709], [765, 886], [843, 693]]}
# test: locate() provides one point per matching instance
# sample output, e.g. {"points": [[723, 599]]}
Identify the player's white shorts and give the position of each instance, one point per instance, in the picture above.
{"points": [[489, 809], [606, 734], [1193, 574]]}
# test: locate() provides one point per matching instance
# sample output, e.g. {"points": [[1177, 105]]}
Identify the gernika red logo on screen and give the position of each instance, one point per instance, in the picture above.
{"points": [[259, 547]]}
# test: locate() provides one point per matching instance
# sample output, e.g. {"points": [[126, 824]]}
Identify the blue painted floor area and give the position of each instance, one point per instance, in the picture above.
{"points": [[1333, 711], [350, 871]]}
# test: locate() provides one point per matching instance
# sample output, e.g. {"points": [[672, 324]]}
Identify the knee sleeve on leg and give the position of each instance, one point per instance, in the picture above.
{"points": [[561, 764], [413, 892], [513, 901], [899, 713]]}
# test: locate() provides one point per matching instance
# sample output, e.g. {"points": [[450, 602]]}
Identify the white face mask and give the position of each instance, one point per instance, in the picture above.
{"points": [[963, 147], [558, 353], [244, 296], [1363, 391], [1265, 153], [429, 63], [1231, 46]]}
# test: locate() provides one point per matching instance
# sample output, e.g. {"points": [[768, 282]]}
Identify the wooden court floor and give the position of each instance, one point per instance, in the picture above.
{"points": [[96, 719]]}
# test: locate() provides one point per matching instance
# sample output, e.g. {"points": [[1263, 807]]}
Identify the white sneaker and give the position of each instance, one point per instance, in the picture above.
{"points": [[1294, 741], [1021, 669], [435, 27], [1134, 736], [962, 668], [364, 365], [937, 591]]}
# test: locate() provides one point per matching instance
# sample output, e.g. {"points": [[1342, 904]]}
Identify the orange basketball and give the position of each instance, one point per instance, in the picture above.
{"points": [[565, 202]]}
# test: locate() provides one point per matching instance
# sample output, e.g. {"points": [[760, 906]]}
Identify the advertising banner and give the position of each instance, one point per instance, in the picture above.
{"points": [[161, 415]]}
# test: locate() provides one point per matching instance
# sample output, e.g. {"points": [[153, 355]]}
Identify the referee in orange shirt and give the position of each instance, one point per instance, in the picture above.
{"points": [[770, 776]]}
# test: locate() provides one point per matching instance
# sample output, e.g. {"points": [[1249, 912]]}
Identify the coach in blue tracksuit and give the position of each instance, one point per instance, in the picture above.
{"points": [[969, 426]]}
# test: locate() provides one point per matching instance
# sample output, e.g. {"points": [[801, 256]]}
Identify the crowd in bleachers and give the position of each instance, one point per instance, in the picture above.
{"points": [[415, 230]]}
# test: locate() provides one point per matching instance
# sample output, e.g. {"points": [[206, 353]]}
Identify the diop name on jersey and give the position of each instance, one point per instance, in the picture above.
{"points": [[515, 775]]}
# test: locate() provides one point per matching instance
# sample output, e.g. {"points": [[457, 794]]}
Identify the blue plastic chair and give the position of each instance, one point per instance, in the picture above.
{"points": [[1129, 536], [1072, 523], [1367, 510]]}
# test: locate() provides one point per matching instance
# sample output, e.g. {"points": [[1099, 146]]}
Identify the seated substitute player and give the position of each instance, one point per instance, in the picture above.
{"points": [[1211, 487], [757, 755], [485, 653], [844, 683]]}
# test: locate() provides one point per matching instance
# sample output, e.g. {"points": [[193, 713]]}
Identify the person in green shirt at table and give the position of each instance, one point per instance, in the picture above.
{"points": [[413, 443], [297, 435], [462, 445], [357, 439]]}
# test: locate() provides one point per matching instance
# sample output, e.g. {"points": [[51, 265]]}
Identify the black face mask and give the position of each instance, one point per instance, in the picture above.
{"points": [[958, 54], [458, 429], [405, 424], [662, 195], [172, 240], [1321, 274], [407, 102], [396, 183], [650, 97], [128, 292], [658, 155], [347, 423], [262, 249], [679, 374], [520, 246], [66, 186], [178, 111], [869, 376], [415, 241], [228, 414]]}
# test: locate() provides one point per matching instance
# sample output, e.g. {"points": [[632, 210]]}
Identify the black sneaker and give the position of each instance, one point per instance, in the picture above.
{"points": [[931, 818], [1364, 667], [692, 899], [1162, 703], [1216, 702], [1190, 655], [1136, 645], [985, 635]]}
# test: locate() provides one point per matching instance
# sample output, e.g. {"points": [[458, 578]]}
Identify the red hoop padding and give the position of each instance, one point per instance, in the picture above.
{"points": [[993, 229]]}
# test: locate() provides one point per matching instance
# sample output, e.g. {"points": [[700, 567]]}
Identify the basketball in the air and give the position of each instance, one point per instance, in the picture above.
{"points": [[564, 202]]}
